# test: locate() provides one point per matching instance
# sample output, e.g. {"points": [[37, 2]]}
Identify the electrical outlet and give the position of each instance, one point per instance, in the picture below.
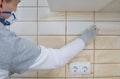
{"points": [[82, 68]]}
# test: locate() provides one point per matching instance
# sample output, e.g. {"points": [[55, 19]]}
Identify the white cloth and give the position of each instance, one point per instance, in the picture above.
{"points": [[55, 58]]}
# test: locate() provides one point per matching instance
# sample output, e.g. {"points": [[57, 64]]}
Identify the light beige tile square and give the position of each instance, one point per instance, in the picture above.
{"points": [[31, 38], [107, 70], [109, 28], [24, 28], [107, 16], [28, 3], [108, 78], [107, 42], [83, 56], [51, 28], [23, 78], [51, 41], [25, 14], [44, 13], [68, 74], [79, 78], [51, 78], [60, 72], [74, 28], [107, 56], [72, 38], [42, 3], [26, 74], [88, 16]]}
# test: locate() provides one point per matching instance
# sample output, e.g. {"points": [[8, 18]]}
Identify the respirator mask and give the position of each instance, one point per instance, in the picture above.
{"points": [[10, 20]]}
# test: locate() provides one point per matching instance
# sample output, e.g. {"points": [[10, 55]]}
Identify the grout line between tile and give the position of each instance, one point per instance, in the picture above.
{"points": [[63, 35], [65, 40], [67, 20], [37, 31], [94, 51]]}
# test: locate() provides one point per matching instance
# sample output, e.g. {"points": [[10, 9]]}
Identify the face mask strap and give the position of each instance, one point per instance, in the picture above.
{"points": [[7, 23], [5, 12], [2, 20], [12, 13], [5, 20]]}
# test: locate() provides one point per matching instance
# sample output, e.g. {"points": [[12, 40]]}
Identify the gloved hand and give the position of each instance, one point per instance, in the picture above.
{"points": [[89, 34]]}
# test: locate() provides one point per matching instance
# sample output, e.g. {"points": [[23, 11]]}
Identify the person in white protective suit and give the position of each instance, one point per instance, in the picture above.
{"points": [[18, 55]]}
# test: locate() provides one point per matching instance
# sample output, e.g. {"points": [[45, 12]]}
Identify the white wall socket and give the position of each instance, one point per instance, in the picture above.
{"points": [[81, 68]]}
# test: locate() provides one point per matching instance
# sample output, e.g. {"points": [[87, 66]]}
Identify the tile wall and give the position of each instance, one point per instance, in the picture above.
{"points": [[55, 29]]}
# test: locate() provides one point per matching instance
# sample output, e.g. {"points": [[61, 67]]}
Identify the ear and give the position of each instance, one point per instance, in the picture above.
{"points": [[1, 5]]}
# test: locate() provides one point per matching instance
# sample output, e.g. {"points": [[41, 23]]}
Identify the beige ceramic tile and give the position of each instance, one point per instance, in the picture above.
{"points": [[42, 3], [60, 72], [46, 14], [107, 42], [107, 56], [24, 28], [109, 28], [28, 3], [80, 16], [107, 70], [108, 78], [51, 78], [26, 74], [51, 28], [68, 74], [31, 38], [79, 78], [72, 38], [85, 55], [77, 27], [51, 41], [23, 78], [107, 16], [27, 14]]}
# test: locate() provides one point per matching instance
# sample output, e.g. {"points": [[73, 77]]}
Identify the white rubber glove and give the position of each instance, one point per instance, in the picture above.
{"points": [[89, 34]]}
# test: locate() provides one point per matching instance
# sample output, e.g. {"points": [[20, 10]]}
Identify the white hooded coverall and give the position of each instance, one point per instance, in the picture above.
{"points": [[20, 55]]}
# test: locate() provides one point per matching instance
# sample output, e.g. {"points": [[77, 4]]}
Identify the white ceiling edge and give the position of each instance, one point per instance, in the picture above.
{"points": [[114, 6], [78, 5]]}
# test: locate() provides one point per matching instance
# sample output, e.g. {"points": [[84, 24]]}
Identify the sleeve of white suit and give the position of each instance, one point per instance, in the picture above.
{"points": [[55, 58]]}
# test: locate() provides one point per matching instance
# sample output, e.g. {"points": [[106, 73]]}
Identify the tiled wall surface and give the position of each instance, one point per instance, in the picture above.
{"points": [[55, 29]]}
